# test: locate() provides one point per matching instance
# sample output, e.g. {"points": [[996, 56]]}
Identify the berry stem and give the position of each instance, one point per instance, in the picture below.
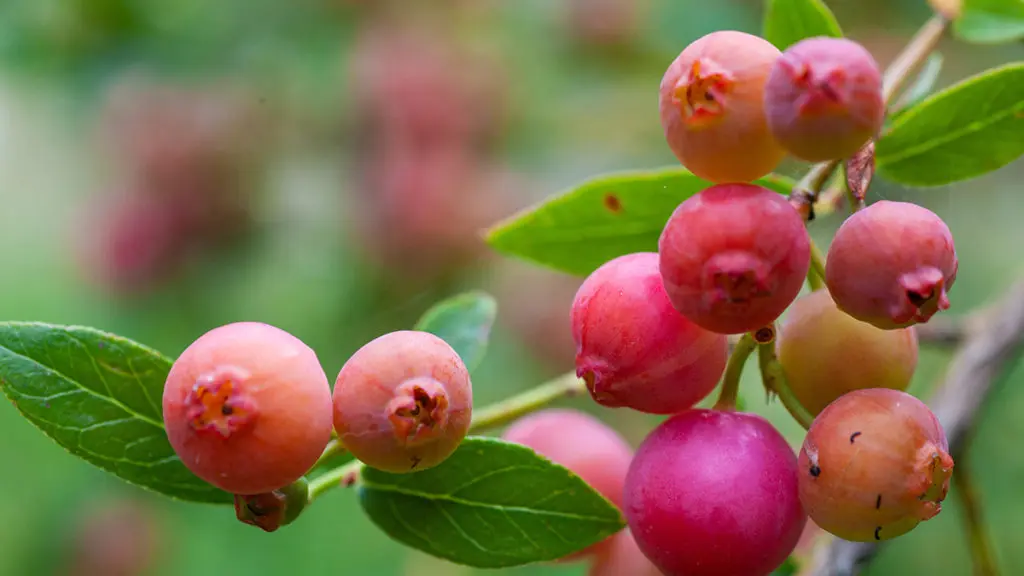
{"points": [[851, 199], [492, 416], [978, 536], [512, 408], [333, 448], [775, 382], [344, 475], [816, 274], [914, 54], [733, 370]]}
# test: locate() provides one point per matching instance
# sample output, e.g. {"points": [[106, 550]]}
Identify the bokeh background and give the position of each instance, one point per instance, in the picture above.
{"points": [[326, 166]]}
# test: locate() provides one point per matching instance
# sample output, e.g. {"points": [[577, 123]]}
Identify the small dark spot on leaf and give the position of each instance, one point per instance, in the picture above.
{"points": [[877, 530], [854, 436], [815, 470], [612, 203], [878, 502]]}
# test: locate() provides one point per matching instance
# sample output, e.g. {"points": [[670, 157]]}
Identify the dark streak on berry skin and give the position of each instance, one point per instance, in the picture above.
{"points": [[854, 436], [877, 530], [878, 502], [815, 471]]}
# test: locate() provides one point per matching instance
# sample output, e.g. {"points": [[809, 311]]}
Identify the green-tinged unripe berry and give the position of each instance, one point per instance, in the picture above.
{"points": [[826, 353]]}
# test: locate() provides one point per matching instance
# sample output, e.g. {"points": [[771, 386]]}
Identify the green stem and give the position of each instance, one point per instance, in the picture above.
{"points": [[913, 56], [346, 474], [512, 408], [978, 536], [733, 370], [492, 416], [775, 382], [816, 273], [334, 448]]}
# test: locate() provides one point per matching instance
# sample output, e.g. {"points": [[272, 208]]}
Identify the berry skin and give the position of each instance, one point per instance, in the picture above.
{"points": [[824, 98], [403, 402], [581, 443], [622, 557], [891, 265], [712, 107], [874, 464], [826, 353], [247, 408], [633, 348], [712, 492], [733, 257]]}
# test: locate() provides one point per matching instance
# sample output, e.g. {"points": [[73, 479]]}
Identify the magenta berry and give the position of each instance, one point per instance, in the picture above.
{"points": [[247, 408], [585, 445], [874, 464], [713, 492], [826, 353], [733, 257], [403, 402], [633, 348], [891, 265], [824, 99], [712, 107]]}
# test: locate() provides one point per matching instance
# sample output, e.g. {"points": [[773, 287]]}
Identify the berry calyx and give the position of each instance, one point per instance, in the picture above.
{"points": [[218, 401], [712, 107], [892, 265], [403, 402], [633, 349], [733, 257], [874, 464]]}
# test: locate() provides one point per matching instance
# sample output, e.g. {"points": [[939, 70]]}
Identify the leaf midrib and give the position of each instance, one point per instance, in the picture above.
{"points": [[494, 507], [911, 151]]}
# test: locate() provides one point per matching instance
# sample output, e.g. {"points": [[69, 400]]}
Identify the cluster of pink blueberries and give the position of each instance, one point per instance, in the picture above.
{"points": [[715, 491]]}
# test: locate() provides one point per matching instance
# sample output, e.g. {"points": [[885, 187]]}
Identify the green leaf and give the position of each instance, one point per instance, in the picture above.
{"points": [[464, 322], [99, 396], [962, 132], [990, 21], [602, 218], [789, 568], [787, 22], [492, 504]]}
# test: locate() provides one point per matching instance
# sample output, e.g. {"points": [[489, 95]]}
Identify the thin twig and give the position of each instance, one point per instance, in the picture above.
{"points": [[956, 403], [978, 536]]}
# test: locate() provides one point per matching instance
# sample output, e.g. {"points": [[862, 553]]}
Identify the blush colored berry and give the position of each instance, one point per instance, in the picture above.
{"points": [[874, 464], [733, 257], [713, 492], [403, 402], [247, 408], [585, 445], [826, 353], [633, 348], [622, 557], [891, 264], [824, 98], [712, 107]]}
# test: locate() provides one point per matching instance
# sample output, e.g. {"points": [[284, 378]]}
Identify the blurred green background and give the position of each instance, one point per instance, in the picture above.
{"points": [[325, 166]]}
